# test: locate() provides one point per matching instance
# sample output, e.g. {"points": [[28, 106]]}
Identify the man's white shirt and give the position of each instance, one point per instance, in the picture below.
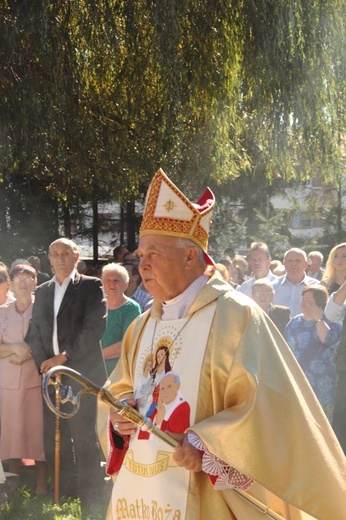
{"points": [[59, 294], [246, 287]]}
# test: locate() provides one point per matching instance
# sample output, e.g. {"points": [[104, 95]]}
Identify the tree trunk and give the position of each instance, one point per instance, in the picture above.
{"points": [[95, 233], [67, 220], [131, 226], [3, 221], [339, 229], [122, 224]]}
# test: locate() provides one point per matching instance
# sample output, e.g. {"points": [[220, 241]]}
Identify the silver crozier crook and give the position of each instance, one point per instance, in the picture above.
{"points": [[144, 423]]}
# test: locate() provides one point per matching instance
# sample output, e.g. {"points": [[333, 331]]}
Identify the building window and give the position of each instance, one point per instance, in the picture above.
{"points": [[302, 221]]}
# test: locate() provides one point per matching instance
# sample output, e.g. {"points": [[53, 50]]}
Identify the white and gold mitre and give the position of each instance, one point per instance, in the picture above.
{"points": [[168, 212]]}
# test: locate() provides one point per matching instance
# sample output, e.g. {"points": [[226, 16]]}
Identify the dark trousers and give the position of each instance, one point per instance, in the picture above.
{"points": [[80, 471], [339, 415]]}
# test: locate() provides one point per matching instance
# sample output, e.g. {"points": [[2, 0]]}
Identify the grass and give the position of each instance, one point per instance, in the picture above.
{"points": [[24, 504]]}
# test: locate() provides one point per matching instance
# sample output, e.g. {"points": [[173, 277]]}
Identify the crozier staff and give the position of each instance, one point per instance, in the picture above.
{"points": [[255, 423]]}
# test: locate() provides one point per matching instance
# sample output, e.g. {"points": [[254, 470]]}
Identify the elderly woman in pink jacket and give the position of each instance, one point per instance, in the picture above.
{"points": [[21, 408]]}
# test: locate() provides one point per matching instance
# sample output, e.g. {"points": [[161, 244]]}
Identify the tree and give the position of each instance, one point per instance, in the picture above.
{"points": [[96, 95]]}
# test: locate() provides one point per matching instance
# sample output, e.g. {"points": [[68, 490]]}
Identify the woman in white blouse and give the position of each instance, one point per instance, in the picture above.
{"points": [[336, 311]]}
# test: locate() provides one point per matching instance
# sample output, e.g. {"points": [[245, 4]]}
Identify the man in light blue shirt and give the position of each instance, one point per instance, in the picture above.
{"points": [[259, 262], [288, 288]]}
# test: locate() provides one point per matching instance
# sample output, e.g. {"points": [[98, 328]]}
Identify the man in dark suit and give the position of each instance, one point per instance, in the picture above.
{"points": [[263, 294], [68, 320]]}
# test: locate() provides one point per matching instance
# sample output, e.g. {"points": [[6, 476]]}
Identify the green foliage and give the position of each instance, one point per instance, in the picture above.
{"points": [[228, 230], [24, 505], [28, 219], [94, 96], [273, 230], [334, 232], [294, 58]]}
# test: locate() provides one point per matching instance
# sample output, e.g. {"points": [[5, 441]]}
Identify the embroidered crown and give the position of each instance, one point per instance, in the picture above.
{"points": [[168, 212]]}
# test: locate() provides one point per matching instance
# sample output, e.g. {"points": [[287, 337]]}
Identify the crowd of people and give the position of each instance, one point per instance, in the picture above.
{"points": [[299, 296], [67, 317]]}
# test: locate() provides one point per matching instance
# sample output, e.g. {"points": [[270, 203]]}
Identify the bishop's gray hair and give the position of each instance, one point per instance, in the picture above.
{"points": [[186, 242]]}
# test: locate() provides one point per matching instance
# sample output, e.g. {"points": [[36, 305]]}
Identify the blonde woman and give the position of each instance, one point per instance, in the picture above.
{"points": [[335, 272], [122, 310]]}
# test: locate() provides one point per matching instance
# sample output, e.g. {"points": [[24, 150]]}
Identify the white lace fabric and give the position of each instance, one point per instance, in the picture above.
{"points": [[227, 476]]}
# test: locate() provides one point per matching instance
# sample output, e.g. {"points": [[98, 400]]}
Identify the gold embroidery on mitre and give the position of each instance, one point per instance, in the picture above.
{"points": [[174, 224], [169, 206]]}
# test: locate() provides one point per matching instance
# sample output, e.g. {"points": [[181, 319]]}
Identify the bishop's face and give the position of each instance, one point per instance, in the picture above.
{"points": [[163, 266]]}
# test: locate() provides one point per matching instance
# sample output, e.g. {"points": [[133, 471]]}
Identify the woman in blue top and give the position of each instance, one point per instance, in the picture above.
{"points": [[313, 340], [122, 310]]}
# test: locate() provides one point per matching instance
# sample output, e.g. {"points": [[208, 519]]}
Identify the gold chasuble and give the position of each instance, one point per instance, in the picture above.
{"points": [[253, 409]]}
